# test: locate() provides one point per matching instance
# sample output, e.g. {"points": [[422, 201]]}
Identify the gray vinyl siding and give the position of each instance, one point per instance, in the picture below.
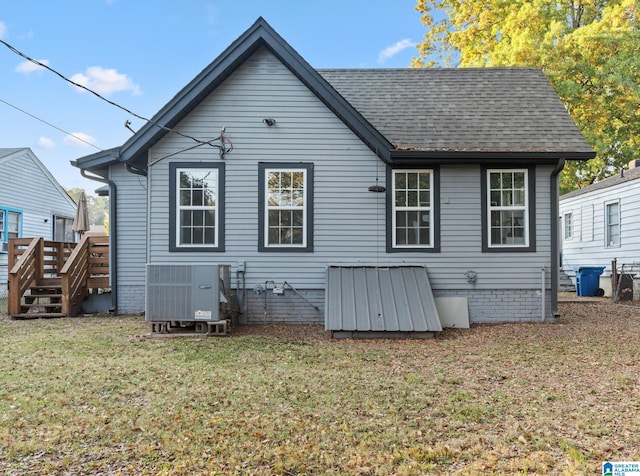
{"points": [[587, 246], [131, 199], [349, 221]]}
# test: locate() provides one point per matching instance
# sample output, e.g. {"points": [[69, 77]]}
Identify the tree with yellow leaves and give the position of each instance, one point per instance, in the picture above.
{"points": [[589, 50]]}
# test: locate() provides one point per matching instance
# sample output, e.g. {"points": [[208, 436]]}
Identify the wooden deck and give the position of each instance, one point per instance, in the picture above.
{"points": [[51, 278]]}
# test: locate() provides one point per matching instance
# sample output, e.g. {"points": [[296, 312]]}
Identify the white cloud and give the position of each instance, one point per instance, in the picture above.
{"points": [[391, 51], [46, 143], [27, 67], [3, 29], [79, 139], [105, 81], [213, 14]]}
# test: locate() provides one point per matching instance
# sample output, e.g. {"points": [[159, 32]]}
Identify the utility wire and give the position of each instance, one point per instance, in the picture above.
{"points": [[50, 125], [39, 63]]}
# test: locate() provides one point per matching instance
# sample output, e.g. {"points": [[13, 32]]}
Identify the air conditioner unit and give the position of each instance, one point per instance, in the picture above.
{"points": [[187, 293], [4, 246]]}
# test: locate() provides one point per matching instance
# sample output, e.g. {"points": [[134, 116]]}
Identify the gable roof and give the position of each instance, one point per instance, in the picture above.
{"points": [[260, 34], [8, 154], [398, 113], [622, 177]]}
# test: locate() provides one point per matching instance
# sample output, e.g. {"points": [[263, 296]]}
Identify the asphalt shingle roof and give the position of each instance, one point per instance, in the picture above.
{"points": [[622, 177], [461, 109], [5, 152]]}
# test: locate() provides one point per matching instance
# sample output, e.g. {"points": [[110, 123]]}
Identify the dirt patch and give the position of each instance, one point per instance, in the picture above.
{"points": [[283, 331]]}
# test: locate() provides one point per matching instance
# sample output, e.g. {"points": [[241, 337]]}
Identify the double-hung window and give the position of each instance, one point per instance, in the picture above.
{"points": [[413, 203], [285, 207], [568, 226], [612, 224], [196, 211], [10, 223], [508, 210]]}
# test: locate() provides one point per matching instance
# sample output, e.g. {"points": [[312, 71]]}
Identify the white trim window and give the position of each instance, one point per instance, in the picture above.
{"points": [[568, 226], [612, 224], [508, 208], [412, 215], [286, 207], [197, 207]]}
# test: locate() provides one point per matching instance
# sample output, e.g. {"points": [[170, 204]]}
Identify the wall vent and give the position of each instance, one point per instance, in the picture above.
{"points": [[186, 292]]}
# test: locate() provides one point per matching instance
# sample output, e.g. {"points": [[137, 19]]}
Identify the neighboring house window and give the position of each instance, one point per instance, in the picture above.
{"points": [[63, 229], [412, 218], [10, 224], [612, 224], [285, 207], [568, 226], [508, 210], [196, 210]]}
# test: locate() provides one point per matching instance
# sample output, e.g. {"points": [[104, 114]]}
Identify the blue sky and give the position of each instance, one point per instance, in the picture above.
{"points": [[140, 53]]}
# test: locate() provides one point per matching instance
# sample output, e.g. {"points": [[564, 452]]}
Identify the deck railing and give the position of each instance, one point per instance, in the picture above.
{"points": [[38, 262], [25, 269]]}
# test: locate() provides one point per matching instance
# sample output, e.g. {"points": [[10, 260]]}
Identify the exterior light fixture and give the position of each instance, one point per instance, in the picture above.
{"points": [[377, 188], [269, 121]]}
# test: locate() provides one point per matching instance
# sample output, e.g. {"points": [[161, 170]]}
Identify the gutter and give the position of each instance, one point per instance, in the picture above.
{"points": [[135, 170], [113, 236], [555, 214]]}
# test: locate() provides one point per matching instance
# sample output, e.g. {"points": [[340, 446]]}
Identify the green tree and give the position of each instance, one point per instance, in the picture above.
{"points": [[587, 48], [98, 206]]}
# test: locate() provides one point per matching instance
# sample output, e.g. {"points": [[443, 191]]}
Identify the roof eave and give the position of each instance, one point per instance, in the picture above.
{"points": [[99, 162], [406, 157]]}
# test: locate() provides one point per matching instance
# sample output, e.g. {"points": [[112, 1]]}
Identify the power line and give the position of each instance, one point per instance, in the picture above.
{"points": [[128, 111], [50, 125]]}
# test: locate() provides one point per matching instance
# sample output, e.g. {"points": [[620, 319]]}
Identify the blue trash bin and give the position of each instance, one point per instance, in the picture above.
{"points": [[588, 280]]}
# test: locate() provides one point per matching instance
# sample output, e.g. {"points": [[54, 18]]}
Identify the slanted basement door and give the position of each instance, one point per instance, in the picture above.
{"points": [[380, 302]]}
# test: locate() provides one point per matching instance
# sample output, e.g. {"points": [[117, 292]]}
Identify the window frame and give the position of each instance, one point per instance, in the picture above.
{"points": [[568, 226], [608, 224], [5, 211], [529, 208], [263, 209], [434, 210], [174, 207], [67, 225]]}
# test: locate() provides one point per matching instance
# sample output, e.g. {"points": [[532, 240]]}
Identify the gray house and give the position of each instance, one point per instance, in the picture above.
{"points": [[601, 223], [302, 181], [32, 204]]}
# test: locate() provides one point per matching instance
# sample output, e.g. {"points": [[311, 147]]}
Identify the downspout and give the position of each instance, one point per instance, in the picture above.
{"points": [[113, 236], [543, 290], [555, 213]]}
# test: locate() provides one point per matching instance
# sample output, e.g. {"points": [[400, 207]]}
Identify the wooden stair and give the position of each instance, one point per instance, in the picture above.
{"points": [[43, 300], [51, 278]]}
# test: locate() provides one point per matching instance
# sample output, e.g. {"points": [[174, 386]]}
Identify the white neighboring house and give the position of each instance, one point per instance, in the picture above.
{"points": [[601, 223], [32, 204]]}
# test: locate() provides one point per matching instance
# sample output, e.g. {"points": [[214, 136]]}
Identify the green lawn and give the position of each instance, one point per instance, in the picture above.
{"points": [[96, 396]]}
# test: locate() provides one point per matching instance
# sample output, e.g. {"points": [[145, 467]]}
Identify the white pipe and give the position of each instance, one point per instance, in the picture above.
{"points": [[544, 303]]}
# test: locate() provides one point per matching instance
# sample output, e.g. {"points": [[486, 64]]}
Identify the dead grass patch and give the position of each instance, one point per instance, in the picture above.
{"points": [[92, 396]]}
